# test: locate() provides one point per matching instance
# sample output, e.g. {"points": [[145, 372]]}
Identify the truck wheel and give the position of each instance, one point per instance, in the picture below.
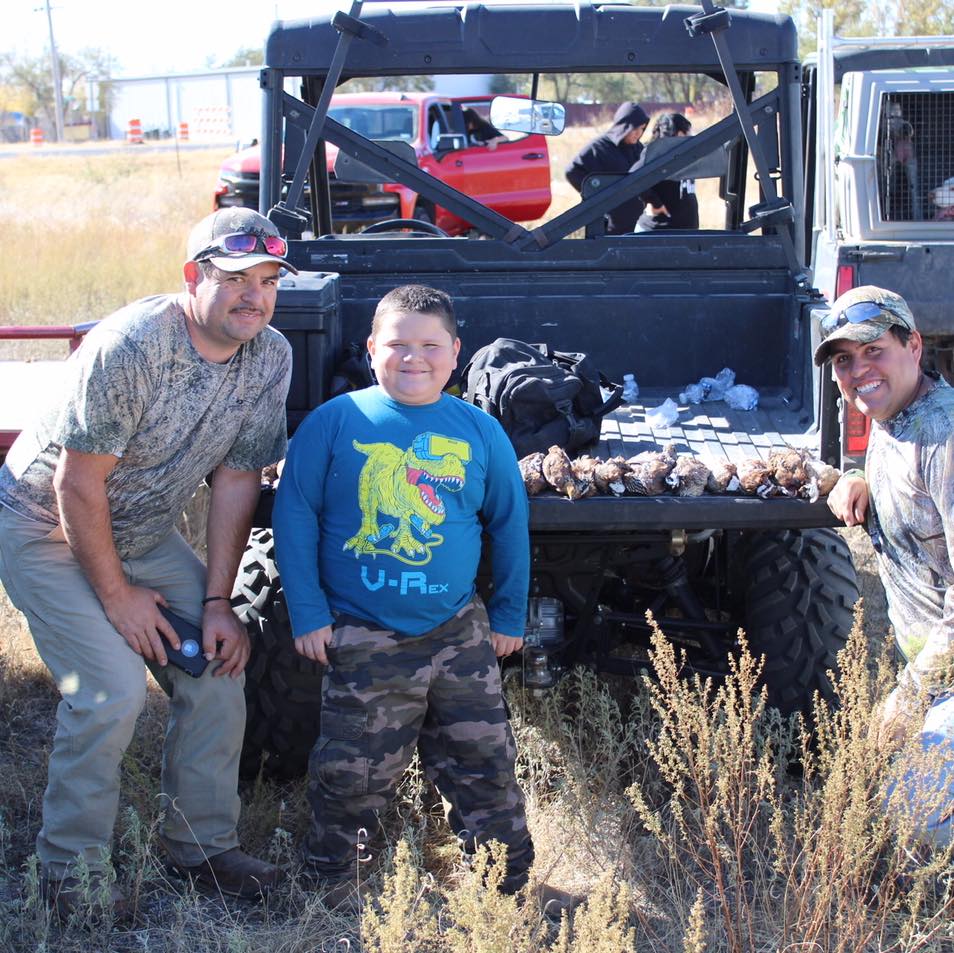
{"points": [[800, 590], [282, 689]]}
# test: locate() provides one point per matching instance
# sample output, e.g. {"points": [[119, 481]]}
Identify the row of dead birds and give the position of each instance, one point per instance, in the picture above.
{"points": [[788, 472]]}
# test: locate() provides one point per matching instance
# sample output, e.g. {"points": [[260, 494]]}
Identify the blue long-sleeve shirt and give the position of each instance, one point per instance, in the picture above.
{"points": [[380, 510]]}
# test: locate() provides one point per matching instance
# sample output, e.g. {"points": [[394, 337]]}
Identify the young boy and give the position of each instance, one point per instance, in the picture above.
{"points": [[378, 521]]}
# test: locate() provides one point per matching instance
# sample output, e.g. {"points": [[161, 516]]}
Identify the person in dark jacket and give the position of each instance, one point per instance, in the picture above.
{"points": [[480, 131], [671, 203], [617, 150]]}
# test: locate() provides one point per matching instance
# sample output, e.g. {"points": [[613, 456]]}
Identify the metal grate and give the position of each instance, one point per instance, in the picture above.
{"points": [[916, 157]]}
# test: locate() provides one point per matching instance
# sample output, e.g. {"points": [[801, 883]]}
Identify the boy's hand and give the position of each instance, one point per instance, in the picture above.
{"points": [[505, 645], [849, 500], [314, 644]]}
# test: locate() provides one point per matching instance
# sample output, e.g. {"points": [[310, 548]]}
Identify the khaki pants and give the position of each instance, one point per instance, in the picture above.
{"points": [[102, 682]]}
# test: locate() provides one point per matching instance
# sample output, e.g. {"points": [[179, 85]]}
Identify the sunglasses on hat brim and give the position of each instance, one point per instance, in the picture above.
{"points": [[244, 243], [857, 314]]}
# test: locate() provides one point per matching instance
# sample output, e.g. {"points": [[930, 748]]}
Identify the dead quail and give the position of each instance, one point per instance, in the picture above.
{"points": [[688, 476], [271, 474], [648, 471], [557, 468], [788, 470], [608, 476], [822, 478], [723, 477], [753, 473], [584, 470], [531, 469]]}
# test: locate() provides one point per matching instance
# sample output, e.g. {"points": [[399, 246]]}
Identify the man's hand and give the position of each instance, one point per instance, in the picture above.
{"points": [[505, 645], [133, 613], [224, 638], [314, 645], [849, 500]]}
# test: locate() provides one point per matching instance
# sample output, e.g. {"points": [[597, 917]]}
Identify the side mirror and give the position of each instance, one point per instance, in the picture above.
{"points": [[527, 115]]}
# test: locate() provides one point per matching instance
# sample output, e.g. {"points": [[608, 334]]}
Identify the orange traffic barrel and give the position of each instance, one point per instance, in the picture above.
{"points": [[36, 136], [134, 131], [183, 132]]}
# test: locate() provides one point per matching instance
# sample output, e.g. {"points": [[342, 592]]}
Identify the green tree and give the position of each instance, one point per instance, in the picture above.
{"points": [[380, 84], [32, 78], [923, 17], [246, 56]]}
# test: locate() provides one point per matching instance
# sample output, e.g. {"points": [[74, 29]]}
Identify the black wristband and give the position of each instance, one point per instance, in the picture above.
{"points": [[209, 599]]}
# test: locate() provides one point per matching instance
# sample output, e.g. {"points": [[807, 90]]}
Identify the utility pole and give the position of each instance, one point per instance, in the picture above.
{"points": [[57, 81]]}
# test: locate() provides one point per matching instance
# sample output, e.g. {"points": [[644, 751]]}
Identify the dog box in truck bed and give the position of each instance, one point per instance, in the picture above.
{"points": [[883, 168], [670, 307]]}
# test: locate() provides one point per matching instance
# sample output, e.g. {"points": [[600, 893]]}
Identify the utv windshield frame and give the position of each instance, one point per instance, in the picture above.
{"points": [[538, 39]]}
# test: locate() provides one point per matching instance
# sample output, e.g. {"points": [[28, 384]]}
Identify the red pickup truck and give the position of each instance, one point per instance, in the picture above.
{"points": [[509, 173]]}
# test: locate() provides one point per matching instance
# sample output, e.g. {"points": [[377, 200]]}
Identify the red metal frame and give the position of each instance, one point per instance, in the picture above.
{"points": [[38, 332]]}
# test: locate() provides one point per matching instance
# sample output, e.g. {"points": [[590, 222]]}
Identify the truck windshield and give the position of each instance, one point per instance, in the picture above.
{"points": [[378, 122]]}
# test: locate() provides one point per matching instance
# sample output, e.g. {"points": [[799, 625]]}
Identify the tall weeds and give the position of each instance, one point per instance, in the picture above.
{"points": [[829, 860]]}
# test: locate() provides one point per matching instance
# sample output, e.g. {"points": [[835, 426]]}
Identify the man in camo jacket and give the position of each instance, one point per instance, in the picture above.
{"points": [[905, 497], [160, 394]]}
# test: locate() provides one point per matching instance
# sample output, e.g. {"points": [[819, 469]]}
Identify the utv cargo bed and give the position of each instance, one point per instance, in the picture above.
{"points": [[712, 431]]}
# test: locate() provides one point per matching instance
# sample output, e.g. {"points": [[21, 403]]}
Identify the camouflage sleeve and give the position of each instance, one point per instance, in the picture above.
{"points": [[263, 438], [932, 669], [506, 518], [109, 388]]}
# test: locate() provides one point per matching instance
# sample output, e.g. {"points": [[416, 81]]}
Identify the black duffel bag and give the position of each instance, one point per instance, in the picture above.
{"points": [[541, 397]]}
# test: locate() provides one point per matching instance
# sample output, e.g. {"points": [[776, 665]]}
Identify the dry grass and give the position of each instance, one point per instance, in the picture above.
{"points": [[670, 808]]}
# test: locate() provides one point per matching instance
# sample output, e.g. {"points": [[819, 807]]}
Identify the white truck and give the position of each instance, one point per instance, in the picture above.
{"points": [[880, 181]]}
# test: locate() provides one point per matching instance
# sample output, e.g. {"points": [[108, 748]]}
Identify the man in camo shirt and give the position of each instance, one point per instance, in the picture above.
{"points": [[906, 496], [161, 393]]}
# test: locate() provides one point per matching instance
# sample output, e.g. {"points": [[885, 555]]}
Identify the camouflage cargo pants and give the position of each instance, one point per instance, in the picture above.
{"points": [[383, 695]]}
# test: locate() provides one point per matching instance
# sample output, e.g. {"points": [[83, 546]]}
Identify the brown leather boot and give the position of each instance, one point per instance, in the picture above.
{"points": [[233, 872], [95, 899], [552, 901]]}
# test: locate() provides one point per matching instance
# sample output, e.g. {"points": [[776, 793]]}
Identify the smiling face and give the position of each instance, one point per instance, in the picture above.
{"points": [[881, 377], [228, 308], [413, 356]]}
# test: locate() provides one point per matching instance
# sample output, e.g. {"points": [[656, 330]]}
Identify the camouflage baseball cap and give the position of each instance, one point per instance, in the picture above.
{"points": [[862, 314], [234, 239]]}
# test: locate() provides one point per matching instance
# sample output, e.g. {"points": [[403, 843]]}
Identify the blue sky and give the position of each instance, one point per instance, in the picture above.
{"points": [[162, 36]]}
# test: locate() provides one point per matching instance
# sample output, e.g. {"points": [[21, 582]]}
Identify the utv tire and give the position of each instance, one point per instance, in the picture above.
{"points": [[282, 688], [800, 590]]}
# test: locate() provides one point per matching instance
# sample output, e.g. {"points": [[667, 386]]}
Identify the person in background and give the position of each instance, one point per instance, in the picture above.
{"points": [[481, 132], [671, 203], [615, 151]]}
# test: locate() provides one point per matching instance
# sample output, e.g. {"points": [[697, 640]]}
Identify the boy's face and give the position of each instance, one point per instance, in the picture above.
{"points": [[413, 356]]}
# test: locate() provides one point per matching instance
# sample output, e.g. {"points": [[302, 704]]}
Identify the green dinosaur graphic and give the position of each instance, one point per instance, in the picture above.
{"points": [[403, 485]]}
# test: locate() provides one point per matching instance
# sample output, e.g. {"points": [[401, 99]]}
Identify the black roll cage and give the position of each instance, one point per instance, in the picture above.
{"points": [[710, 41]]}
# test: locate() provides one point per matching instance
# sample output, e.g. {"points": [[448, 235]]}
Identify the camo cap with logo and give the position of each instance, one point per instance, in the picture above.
{"points": [[209, 240], [862, 314]]}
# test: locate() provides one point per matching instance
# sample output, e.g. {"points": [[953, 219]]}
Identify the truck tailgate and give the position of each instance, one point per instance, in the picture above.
{"points": [[919, 271]]}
